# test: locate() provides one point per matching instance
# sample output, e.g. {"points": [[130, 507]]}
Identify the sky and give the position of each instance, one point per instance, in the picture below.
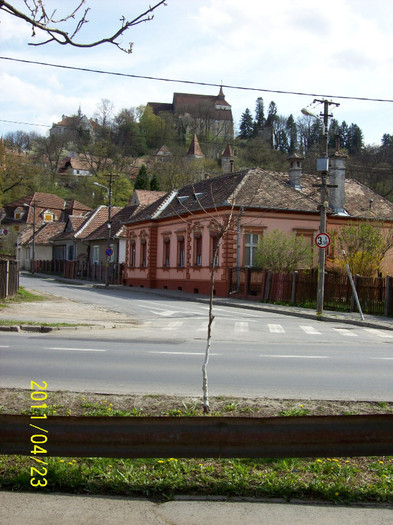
{"points": [[340, 48]]}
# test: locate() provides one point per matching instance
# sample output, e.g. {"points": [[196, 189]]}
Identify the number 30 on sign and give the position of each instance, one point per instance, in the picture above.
{"points": [[322, 240]]}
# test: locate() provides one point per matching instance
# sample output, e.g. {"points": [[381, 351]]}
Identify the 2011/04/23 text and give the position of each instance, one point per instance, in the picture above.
{"points": [[36, 440]]}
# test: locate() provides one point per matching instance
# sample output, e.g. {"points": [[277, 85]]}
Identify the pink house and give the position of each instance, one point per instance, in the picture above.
{"points": [[170, 244]]}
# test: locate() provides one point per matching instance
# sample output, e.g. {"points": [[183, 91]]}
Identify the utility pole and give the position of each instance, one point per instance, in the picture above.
{"points": [[323, 167], [109, 224], [32, 263]]}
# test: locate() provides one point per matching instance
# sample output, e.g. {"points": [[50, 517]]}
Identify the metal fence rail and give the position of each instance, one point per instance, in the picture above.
{"points": [[226, 437]]}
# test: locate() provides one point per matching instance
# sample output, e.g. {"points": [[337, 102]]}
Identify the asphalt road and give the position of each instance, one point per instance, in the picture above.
{"points": [[253, 353], [99, 362]]}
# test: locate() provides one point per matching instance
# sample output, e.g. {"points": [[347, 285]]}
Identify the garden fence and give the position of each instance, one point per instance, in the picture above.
{"points": [[300, 289], [9, 278]]}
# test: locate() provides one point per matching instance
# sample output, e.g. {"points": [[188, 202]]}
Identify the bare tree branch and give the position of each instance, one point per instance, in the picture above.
{"points": [[39, 19]]}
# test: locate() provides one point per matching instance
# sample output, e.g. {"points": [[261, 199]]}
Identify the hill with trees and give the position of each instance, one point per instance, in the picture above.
{"points": [[119, 144]]}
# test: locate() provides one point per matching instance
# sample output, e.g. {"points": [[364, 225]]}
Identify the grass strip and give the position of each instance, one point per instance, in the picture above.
{"points": [[339, 480]]}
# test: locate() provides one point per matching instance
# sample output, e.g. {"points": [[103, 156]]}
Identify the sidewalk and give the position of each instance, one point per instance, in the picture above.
{"points": [[54, 509]]}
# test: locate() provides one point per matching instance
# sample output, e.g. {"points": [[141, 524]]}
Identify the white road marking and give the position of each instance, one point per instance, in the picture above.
{"points": [[310, 330], [164, 313], [379, 333], [203, 326], [276, 329], [75, 349], [383, 358], [345, 332], [241, 326], [4, 346], [174, 325], [295, 356], [180, 353]]}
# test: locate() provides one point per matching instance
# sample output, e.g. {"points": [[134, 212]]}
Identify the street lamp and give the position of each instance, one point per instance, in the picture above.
{"points": [[33, 254], [109, 224], [323, 167]]}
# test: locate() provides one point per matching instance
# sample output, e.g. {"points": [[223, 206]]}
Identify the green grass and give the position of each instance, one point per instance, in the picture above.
{"points": [[340, 480], [18, 322], [23, 296]]}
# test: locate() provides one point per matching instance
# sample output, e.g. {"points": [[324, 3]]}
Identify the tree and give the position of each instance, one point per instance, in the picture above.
{"points": [[292, 135], [280, 252], [260, 120], [355, 142], [142, 179], [52, 26], [154, 184], [127, 135], [17, 174], [246, 126], [365, 246], [271, 114]]}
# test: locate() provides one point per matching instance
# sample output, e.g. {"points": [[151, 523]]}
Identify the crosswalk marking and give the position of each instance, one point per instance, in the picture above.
{"points": [[276, 329], [295, 356], [174, 325], [310, 330], [203, 326], [379, 333], [345, 332], [241, 326]]}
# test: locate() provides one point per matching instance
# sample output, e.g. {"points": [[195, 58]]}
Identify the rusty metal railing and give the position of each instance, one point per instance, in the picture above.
{"points": [[226, 437]]}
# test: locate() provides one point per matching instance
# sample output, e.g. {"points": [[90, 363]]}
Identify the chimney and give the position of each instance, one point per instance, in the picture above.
{"points": [[227, 161], [295, 171], [337, 180]]}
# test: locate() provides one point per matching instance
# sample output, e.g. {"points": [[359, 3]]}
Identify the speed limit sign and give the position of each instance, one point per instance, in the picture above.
{"points": [[322, 240]]}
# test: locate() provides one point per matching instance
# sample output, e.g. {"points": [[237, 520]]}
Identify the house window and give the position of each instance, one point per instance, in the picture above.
{"points": [[70, 253], [250, 248], [133, 254], [167, 252], [180, 252], [96, 254], [143, 254], [214, 240], [198, 250]]}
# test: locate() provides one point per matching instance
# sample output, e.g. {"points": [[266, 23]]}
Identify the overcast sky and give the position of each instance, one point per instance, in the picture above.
{"points": [[336, 48]]}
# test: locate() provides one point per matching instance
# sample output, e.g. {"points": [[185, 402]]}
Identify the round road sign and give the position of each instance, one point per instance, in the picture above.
{"points": [[109, 252], [322, 240]]}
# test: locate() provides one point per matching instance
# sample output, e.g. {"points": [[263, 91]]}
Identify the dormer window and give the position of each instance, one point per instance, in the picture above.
{"points": [[18, 213], [182, 198], [197, 196], [48, 216]]}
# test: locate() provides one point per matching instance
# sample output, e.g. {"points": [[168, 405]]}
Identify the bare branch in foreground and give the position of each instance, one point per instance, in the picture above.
{"points": [[36, 15]]}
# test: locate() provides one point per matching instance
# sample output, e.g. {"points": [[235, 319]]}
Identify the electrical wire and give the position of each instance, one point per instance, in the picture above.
{"points": [[226, 86]]}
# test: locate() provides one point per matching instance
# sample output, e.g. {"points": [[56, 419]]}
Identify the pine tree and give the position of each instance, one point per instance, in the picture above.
{"points": [[260, 120], [154, 184], [292, 135], [142, 179], [355, 139], [246, 125]]}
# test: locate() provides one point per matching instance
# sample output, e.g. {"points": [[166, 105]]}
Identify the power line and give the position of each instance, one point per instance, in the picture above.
{"points": [[24, 123], [226, 86]]}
